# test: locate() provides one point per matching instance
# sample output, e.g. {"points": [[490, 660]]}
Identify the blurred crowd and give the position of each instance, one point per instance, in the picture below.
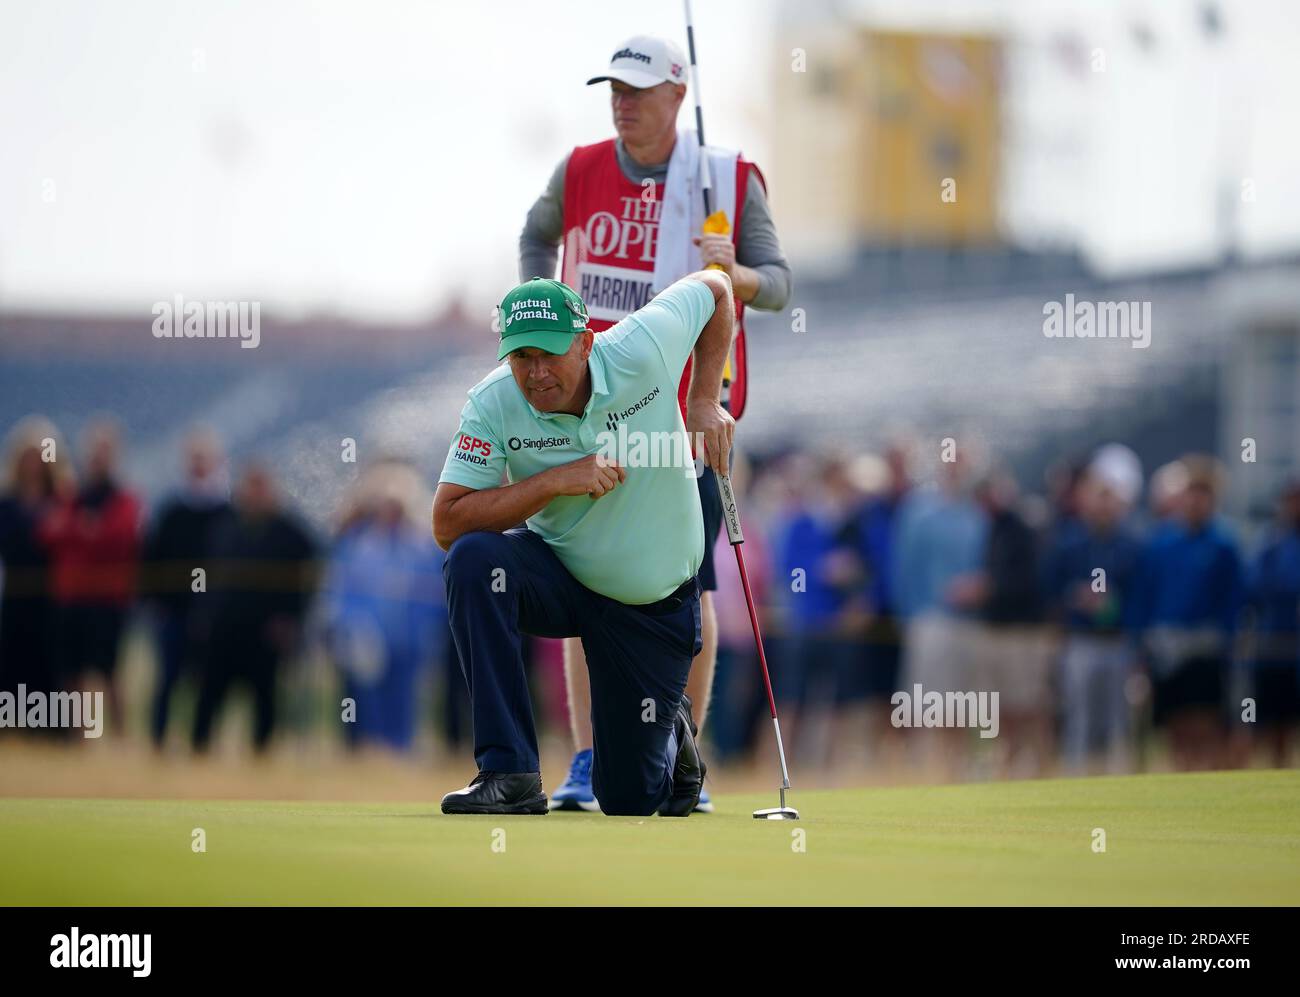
{"points": [[1115, 614], [230, 584], [1099, 620]]}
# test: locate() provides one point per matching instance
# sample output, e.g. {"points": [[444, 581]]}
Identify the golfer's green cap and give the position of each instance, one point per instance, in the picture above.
{"points": [[542, 313]]}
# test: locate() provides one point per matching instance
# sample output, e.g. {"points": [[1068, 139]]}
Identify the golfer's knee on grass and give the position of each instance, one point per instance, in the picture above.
{"points": [[621, 803], [629, 796]]}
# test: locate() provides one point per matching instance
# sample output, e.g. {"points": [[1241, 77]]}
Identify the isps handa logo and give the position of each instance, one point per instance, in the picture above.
{"points": [[472, 450]]}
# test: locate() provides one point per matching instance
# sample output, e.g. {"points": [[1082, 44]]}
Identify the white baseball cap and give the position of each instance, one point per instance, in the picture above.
{"points": [[643, 61], [1118, 467]]}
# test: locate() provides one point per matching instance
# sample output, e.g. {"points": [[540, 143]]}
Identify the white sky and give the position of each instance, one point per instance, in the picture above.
{"points": [[373, 158]]}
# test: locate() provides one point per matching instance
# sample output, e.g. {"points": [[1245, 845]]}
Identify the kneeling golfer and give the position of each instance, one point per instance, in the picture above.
{"points": [[611, 548]]}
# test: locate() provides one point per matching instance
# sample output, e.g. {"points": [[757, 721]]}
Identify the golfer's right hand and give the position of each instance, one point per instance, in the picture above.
{"points": [[595, 475]]}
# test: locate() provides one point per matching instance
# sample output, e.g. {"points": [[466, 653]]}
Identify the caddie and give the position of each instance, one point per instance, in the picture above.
{"points": [[609, 553], [629, 215]]}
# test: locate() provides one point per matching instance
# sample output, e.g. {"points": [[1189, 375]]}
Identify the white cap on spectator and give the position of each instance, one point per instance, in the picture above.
{"points": [[1120, 469]]}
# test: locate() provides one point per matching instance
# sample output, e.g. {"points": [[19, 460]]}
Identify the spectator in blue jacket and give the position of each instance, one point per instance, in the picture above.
{"points": [[1273, 594], [382, 605], [820, 572], [1186, 601], [938, 554], [1089, 577], [874, 533]]}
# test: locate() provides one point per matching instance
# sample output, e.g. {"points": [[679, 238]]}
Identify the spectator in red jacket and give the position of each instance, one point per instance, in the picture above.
{"points": [[93, 538]]}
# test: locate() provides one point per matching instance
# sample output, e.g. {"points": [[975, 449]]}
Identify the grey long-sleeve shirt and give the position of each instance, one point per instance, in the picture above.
{"points": [[757, 248]]}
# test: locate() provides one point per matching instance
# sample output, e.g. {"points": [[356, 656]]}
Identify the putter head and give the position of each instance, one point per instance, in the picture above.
{"points": [[777, 813]]}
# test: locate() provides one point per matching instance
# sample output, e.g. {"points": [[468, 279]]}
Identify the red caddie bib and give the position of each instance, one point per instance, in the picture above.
{"points": [[610, 234]]}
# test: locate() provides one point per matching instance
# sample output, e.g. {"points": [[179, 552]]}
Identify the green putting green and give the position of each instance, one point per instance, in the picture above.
{"points": [[1212, 839]]}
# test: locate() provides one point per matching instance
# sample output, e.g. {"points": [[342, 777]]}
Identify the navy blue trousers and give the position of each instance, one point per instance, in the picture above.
{"points": [[502, 585]]}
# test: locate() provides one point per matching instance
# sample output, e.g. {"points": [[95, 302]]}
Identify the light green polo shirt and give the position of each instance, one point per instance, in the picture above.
{"points": [[639, 542]]}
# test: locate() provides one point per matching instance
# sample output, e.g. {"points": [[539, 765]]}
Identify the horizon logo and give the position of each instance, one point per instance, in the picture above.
{"points": [[91, 951], [952, 709], [181, 319], [1073, 319], [612, 419]]}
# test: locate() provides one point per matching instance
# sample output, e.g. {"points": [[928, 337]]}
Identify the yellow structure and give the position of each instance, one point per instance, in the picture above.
{"points": [[889, 138]]}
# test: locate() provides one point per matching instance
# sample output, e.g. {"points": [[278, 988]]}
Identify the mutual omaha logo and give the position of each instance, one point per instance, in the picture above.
{"points": [[526, 308]]}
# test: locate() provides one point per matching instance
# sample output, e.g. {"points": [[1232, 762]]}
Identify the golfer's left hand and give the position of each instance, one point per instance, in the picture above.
{"points": [[707, 417], [718, 249]]}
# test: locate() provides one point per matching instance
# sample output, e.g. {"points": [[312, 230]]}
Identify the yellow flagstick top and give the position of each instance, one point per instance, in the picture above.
{"points": [[716, 224]]}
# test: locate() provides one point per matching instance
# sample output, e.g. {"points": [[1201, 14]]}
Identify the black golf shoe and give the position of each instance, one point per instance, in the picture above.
{"points": [[688, 773], [498, 793]]}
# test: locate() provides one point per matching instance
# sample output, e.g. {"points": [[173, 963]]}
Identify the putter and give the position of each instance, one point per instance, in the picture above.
{"points": [[732, 519], [730, 516]]}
